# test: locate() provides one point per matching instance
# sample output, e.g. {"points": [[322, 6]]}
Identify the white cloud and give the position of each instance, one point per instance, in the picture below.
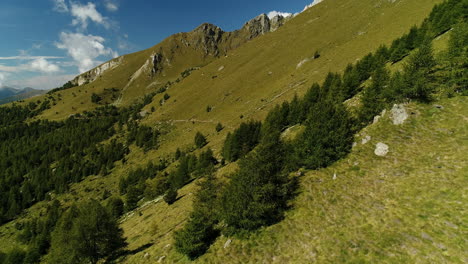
{"points": [[272, 14], [42, 65], [60, 6], [38, 65], [84, 49], [26, 57], [111, 6], [83, 13], [312, 4]]}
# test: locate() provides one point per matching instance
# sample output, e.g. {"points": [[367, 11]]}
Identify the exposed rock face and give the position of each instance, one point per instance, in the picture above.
{"points": [[381, 149], [258, 26], [399, 114], [277, 22], [93, 74], [157, 63], [207, 37]]}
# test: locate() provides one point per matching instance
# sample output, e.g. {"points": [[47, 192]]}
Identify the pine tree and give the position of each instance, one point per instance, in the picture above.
{"points": [[86, 234], [327, 137], [373, 100], [351, 81], [115, 206], [418, 73], [132, 198], [171, 196], [258, 192], [200, 140], [200, 232]]}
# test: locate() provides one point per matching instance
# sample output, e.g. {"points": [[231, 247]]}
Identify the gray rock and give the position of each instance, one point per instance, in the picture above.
{"points": [[366, 139], [438, 106], [161, 259], [376, 119], [228, 242], [143, 113], [398, 114], [381, 149], [258, 26]]}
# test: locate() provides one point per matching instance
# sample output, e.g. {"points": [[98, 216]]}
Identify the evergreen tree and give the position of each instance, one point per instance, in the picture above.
{"points": [[219, 127], [115, 206], [86, 234], [373, 101], [133, 196], [200, 140], [351, 82], [327, 137], [171, 196], [258, 192], [418, 73], [200, 232]]}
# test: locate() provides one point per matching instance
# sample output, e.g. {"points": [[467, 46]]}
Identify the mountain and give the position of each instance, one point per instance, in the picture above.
{"points": [[8, 94], [334, 136]]}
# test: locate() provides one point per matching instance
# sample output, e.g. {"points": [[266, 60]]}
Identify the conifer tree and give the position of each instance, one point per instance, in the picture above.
{"points": [[200, 140], [418, 73], [199, 232], [373, 98], [85, 234], [327, 137], [258, 192]]}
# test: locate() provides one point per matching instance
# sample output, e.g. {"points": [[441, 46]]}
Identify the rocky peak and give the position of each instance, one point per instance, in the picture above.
{"points": [[207, 36], [258, 26]]}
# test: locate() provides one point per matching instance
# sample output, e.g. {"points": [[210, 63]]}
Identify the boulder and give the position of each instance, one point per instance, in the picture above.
{"points": [[381, 149], [366, 139], [398, 114], [228, 242]]}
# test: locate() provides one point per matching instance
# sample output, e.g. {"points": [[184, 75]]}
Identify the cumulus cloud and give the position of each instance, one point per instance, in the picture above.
{"points": [[60, 6], [272, 14], [42, 65], [84, 49], [83, 13], [111, 6], [38, 65]]}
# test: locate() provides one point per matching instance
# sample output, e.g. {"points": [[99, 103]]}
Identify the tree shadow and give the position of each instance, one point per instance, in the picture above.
{"points": [[124, 253]]}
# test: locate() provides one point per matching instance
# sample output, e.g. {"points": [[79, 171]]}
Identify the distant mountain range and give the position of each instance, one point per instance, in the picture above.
{"points": [[9, 94]]}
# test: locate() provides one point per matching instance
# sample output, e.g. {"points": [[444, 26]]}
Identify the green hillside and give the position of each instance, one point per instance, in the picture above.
{"points": [[127, 132]]}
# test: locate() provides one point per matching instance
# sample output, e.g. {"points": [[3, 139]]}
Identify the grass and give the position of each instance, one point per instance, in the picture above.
{"points": [[356, 218], [407, 207]]}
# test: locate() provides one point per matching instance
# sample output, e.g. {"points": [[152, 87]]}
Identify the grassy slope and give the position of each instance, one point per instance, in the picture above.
{"points": [[407, 207], [343, 31]]}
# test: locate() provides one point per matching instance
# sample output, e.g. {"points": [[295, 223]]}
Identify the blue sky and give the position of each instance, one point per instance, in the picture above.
{"points": [[47, 42]]}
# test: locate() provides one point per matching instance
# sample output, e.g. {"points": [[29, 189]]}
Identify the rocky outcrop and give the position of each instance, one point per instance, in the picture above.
{"points": [[157, 61], [399, 114], [93, 74], [207, 37], [277, 21], [258, 26], [381, 149]]}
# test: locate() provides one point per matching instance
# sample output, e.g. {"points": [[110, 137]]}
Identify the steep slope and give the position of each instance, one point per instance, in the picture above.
{"points": [[247, 82], [359, 210]]}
